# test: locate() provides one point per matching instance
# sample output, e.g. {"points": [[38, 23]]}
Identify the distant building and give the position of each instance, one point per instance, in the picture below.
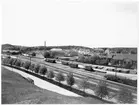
{"points": [[56, 49], [107, 51], [122, 59]]}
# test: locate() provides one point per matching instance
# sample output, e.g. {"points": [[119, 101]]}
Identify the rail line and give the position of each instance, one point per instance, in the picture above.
{"points": [[77, 74]]}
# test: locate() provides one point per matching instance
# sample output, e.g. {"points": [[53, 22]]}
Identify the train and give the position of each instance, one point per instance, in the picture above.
{"points": [[109, 71]]}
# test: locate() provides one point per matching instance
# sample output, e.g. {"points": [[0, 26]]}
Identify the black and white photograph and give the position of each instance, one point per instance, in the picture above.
{"points": [[69, 51]]}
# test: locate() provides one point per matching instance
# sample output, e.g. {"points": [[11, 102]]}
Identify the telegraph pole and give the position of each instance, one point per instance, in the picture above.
{"points": [[45, 45]]}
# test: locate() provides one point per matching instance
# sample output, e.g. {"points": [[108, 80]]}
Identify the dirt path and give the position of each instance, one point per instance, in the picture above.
{"points": [[45, 85]]}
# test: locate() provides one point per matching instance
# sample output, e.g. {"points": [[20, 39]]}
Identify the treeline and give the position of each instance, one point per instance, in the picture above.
{"points": [[16, 47], [124, 50], [101, 89], [91, 59]]}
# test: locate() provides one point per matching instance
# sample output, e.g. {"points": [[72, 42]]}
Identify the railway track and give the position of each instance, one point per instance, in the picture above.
{"points": [[82, 75]]}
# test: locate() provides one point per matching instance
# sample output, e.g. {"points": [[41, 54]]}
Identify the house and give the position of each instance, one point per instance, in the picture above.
{"points": [[123, 59]]}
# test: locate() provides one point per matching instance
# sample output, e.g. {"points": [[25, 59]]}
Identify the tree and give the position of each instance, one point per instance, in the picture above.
{"points": [[32, 67], [84, 84], [33, 54], [43, 70], [36, 68], [11, 61], [18, 63], [27, 65], [6, 60], [81, 58], [60, 77], [50, 74], [70, 79], [125, 96], [22, 64], [15, 60], [46, 54], [102, 89]]}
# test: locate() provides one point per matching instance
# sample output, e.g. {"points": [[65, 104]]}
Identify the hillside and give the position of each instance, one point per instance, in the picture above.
{"points": [[16, 89], [76, 48]]}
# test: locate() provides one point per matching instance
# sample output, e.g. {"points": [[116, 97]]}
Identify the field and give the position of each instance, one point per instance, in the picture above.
{"points": [[16, 89]]}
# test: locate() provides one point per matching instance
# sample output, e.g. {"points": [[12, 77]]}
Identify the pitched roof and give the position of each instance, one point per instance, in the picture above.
{"points": [[124, 56]]}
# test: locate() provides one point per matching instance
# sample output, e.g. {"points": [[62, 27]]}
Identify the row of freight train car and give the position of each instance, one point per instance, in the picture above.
{"points": [[111, 71]]}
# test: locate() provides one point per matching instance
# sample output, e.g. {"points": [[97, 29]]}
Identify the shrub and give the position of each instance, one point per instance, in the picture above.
{"points": [[83, 84], [26, 65], [125, 96], [36, 68], [60, 77], [50, 74], [101, 89], [70, 79], [43, 70], [18, 63]]}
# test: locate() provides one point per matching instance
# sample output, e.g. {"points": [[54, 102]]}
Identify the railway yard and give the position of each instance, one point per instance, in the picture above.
{"points": [[93, 75]]}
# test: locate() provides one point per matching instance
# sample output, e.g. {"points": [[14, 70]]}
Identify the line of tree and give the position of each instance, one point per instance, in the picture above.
{"points": [[123, 96]]}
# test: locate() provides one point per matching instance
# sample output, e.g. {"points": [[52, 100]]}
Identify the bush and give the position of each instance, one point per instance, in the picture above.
{"points": [[50, 74], [27, 65], [36, 68], [43, 70], [60, 77], [70, 79], [101, 89], [18, 63], [125, 96]]}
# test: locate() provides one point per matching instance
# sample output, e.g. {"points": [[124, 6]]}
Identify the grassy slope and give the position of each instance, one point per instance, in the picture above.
{"points": [[15, 89]]}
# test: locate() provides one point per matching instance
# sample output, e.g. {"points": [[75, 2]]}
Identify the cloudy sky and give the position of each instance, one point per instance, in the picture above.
{"points": [[70, 22]]}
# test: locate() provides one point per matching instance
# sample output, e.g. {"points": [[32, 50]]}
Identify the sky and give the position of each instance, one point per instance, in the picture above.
{"points": [[87, 23]]}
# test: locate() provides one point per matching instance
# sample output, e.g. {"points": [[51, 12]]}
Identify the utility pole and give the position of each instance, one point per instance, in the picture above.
{"points": [[45, 45], [30, 56]]}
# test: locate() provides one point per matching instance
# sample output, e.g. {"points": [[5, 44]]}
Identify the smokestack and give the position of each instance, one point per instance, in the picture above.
{"points": [[45, 43]]}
